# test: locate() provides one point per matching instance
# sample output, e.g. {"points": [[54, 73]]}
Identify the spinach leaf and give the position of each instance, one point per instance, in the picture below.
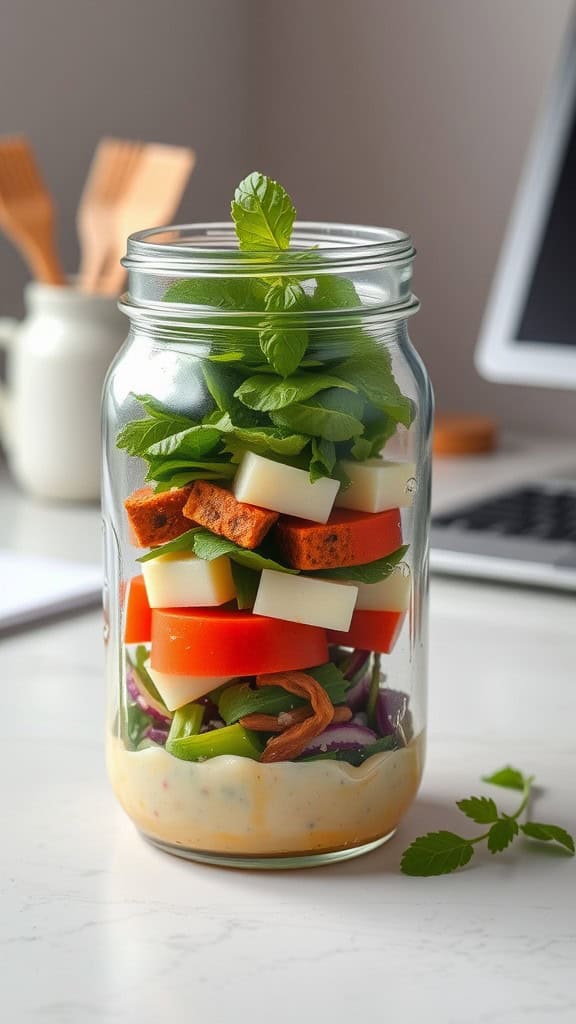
{"points": [[194, 442], [164, 469], [138, 435], [323, 458], [208, 546], [378, 428], [180, 545], [333, 415], [246, 582], [263, 213], [283, 345], [262, 440], [370, 370], [267, 393], [223, 382], [369, 572]]}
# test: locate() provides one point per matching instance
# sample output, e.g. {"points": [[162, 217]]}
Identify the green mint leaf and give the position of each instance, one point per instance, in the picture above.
{"points": [[246, 582], [501, 834], [155, 408], [508, 777], [208, 546], [370, 572], [323, 458], [194, 442], [263, 214], [267, 393], [334, 415], [232, 293], [333, 292], [284, 343], [181, 544], [370, 370], [436, 853], [548, 833], [481, 809], [378, 429]]}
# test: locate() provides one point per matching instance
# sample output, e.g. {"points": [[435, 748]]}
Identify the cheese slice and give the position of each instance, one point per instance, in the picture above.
{"points": [[273, 485], [310, 601], [390, 595], [176, 691], [185, 581], [377, 485]]}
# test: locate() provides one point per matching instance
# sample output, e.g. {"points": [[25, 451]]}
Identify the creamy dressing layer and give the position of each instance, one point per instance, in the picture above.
{"points": [[234, 805]]}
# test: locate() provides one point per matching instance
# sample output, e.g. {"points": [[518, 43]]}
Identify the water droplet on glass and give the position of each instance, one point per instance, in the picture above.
{"points": [[411, 485]]}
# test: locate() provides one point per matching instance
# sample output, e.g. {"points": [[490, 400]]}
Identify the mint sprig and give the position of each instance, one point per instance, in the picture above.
{"points": [[441, 853]]}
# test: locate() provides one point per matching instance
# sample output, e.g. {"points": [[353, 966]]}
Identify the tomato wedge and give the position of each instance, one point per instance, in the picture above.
{"points": [[227, 642], [370, 631], [138, 614]]}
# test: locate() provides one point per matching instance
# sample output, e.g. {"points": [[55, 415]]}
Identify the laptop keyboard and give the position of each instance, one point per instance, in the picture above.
{"points": [[526, 512]]}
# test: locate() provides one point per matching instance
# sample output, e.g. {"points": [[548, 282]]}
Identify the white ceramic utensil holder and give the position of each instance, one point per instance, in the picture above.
{"points": [[50, 409]]}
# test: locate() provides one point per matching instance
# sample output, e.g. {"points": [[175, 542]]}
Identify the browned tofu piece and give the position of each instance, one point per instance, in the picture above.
{"points": [[156, 518], [218, 510]]}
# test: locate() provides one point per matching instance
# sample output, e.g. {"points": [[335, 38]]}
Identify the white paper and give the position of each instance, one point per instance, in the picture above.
{"points": [[32, 587]]}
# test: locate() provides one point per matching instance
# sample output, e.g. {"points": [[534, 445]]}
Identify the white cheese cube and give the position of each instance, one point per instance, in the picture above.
{"points": [[377, 485], [310, 601], [391, 595], [176, 691], [184, 581], [270, 484]]}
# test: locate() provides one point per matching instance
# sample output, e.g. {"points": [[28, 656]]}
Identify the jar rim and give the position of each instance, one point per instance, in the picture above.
{"points": [[211, 248]]}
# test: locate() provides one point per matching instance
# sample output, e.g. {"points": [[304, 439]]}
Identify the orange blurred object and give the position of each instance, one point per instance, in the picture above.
{"points": [[464, 435]]}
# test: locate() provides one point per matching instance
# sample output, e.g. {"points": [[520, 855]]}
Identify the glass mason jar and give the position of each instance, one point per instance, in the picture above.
{"points": [[266, 545]]}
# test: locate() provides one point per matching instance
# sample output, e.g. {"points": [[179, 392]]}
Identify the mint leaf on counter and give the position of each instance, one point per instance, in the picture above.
{"points": [[267, 393], [437, 853], [370, 572], [263, 213], [501, 834], [480, 809], [440, 853], [548, 834], [334, 415], [508, 777]]}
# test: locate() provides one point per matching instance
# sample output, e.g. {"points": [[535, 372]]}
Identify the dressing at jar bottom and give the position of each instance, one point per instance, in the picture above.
{"points": [[238, 807]]}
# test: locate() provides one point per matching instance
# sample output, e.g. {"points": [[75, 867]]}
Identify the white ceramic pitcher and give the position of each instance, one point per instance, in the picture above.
{"points": [[50, 410]]}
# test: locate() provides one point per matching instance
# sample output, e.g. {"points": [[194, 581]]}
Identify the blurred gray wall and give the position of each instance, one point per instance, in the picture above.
{"points": [[412, 113]]}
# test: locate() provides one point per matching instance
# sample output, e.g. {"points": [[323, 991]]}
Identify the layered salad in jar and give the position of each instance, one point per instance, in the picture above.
{"points": [[258, 717]]}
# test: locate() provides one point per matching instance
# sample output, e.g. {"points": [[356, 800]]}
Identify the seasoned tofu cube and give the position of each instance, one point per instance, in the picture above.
{"points": [[185, 581], [270, 484], [310, 601], [377, 485]]}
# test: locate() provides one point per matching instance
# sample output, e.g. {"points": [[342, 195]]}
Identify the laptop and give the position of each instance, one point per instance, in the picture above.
{"points": [[526, 532]]}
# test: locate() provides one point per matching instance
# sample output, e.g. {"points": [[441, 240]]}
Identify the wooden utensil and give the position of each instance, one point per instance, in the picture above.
{"points": [[113, 167], [150, 200], [27, 210]]}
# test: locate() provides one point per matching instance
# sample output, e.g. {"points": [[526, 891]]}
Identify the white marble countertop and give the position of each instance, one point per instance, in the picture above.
{"points": [[98, 926]]}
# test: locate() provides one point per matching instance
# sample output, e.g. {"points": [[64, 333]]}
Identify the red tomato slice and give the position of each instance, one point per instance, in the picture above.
{"points": [[227, 642], [370, 631], [138, 615]]}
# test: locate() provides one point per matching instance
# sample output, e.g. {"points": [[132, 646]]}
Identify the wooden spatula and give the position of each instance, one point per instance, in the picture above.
{"points": [[27, 210], [113, 167], [150, 201]]}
